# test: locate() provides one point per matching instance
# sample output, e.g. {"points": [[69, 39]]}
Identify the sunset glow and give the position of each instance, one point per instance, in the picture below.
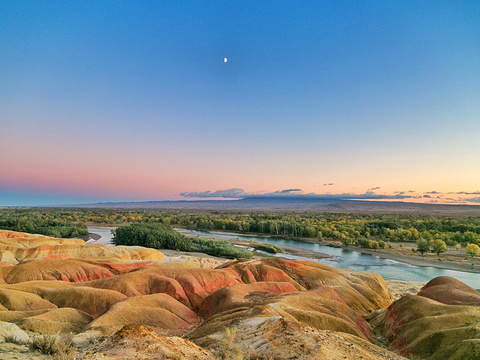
{"points": [[128, 101]]}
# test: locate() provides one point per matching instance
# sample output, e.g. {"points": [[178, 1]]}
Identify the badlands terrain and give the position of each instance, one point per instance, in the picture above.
{"points": [[136, 303]]}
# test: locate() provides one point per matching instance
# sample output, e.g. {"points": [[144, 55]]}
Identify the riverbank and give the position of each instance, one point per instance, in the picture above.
{"points": [[290, 250], [452, 260], [442, 262]]}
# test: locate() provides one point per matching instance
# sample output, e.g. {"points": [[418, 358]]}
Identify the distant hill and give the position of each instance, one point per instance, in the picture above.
{"points": [[292, 204]]}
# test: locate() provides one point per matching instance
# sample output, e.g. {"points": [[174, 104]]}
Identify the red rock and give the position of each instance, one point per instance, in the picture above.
{"points": [[450, 291]]}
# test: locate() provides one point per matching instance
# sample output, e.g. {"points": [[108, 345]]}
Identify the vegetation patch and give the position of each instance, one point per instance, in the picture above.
{"points": [[220, 248], [152, 235], [162, 236], [53, 345], [270, 248]]}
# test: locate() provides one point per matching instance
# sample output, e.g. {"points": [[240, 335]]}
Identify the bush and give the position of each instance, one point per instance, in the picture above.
{"points": [[220, 248], [270, 248], [15, 340], [362, 242], [53, 345], [227, 349]]}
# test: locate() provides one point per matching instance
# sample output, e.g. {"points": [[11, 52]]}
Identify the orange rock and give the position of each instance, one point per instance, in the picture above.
{"points": [[66, 270]]}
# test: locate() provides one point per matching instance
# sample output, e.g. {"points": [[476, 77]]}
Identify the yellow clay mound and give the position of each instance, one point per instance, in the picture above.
{"points": [[28, 246], [38, 286], [245, 295], [90, 300], [65, 320], [16, 316], [159, 310], [20, 301], [8, 257], [142, 282]]}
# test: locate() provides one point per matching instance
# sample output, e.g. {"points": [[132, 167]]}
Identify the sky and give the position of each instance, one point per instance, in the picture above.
{"points": [[132, 100]]}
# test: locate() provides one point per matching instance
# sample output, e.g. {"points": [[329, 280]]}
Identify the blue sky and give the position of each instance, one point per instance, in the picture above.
{"points": [[132, 100]]}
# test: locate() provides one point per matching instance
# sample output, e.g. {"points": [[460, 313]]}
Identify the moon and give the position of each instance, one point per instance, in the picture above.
{"points": [[224, 60]]}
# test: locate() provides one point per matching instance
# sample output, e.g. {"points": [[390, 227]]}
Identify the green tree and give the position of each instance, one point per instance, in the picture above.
{"points": [[472, 249], [439, 246], [423, 246]]}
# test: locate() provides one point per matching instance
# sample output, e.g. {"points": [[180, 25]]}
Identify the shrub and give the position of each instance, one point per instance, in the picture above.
{"points": [[53, 345], [15, 340], [362, 242], [270, 248], [221, 248], [227, 350]]}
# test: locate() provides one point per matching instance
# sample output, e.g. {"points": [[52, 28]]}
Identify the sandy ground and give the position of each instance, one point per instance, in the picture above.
{"points": [[401, 288]]}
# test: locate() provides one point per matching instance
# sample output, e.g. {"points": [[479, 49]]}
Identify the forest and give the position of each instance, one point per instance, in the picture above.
{"points": [[349, 228]]}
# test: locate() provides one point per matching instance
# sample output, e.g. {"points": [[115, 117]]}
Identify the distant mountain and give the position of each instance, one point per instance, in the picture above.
{"points": [[291, 204]]}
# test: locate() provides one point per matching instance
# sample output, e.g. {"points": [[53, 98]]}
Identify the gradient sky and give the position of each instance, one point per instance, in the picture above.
{"points": [[126, 100]]}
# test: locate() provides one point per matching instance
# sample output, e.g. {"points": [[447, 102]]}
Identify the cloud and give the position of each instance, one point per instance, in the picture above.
{"points": [[411, 191], [291, 194], [474, 200], [432, 192], [328, 184], [426, 196], [373, 189], [465, 193], [288, 191], [228, 194]]}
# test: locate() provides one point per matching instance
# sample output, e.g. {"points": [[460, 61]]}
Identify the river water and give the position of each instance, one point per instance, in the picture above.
{"points": [[342, 259], [353, 260]]}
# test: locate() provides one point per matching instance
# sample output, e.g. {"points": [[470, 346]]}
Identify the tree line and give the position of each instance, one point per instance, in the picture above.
{"points": [[350, 228]]}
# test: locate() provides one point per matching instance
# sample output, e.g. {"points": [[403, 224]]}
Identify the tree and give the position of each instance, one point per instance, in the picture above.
{"points": [[457, 246], [423, 246], [439, 246], [381, 244], [472, 249]]}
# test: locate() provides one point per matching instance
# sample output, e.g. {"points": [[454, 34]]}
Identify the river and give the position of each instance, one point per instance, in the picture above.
{"points": [[342, 259], [354, 260]]}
